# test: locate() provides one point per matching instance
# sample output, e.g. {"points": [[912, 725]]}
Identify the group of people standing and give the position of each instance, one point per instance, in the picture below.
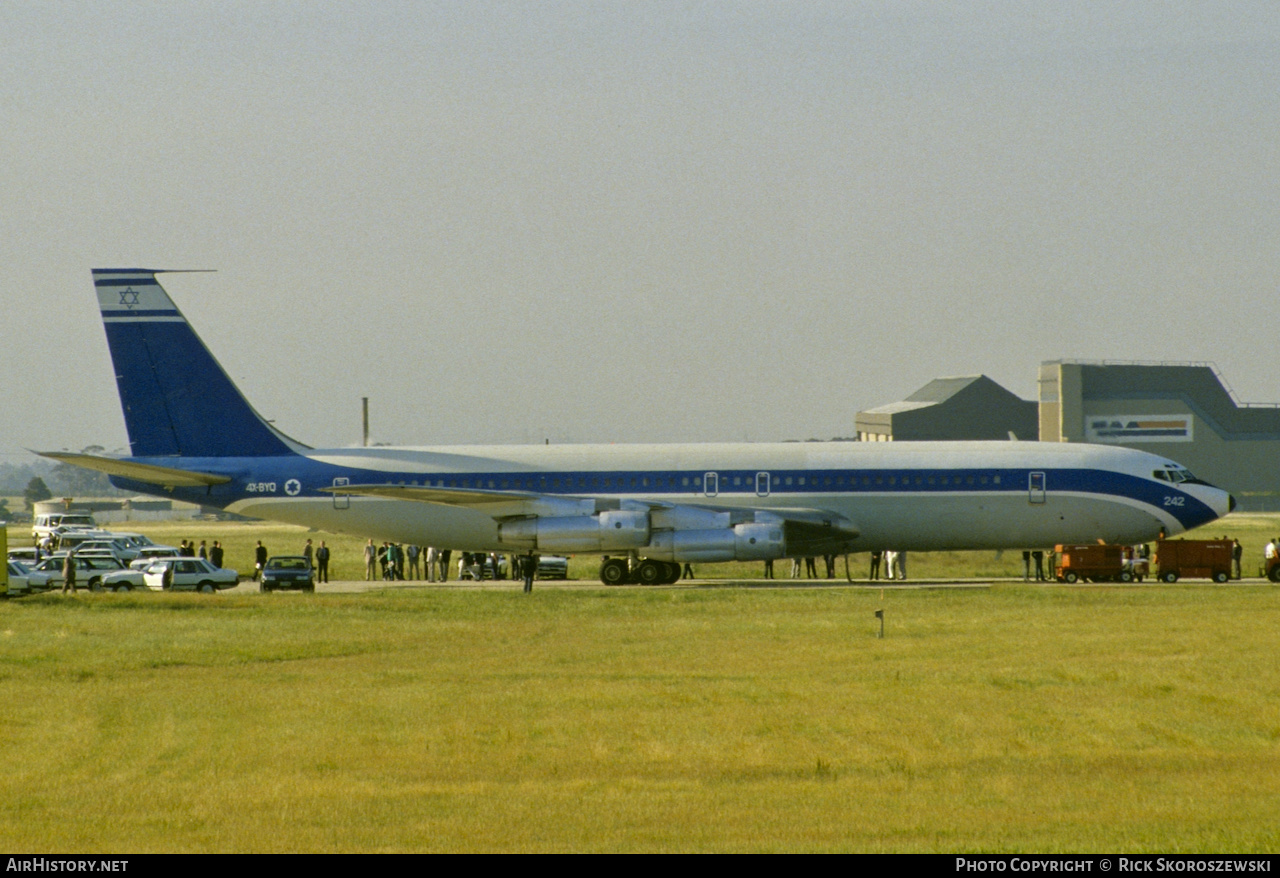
{"points": [[894, 561], [187, 549], [895, 566], [392, 561]]}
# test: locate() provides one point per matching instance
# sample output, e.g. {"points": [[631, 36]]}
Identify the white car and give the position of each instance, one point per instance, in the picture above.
{"points": [[188, 574], [27, 556], [121, 548], [48, 523], [130, 579], [24, 580], [89, 571], [553, 567], [152, 552]]}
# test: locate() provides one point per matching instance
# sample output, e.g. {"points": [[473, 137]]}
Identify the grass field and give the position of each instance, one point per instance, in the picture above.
{"points": [[1003, 718], [711, 719]]}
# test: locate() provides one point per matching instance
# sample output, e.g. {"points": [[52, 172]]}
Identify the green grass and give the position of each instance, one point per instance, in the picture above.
{"points": [[1005, 719]]}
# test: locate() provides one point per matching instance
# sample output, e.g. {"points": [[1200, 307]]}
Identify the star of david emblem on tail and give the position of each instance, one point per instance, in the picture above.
{"points": [[129, 297]]}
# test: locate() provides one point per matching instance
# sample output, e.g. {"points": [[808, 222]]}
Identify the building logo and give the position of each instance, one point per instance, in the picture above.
{"points": [[1128, 429]]}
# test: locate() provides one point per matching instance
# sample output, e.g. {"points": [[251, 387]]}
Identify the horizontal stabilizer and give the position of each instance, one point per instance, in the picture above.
{"points": [[139, 472]]}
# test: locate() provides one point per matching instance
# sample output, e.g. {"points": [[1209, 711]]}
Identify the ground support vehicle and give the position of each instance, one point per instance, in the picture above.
{"points": [[188, 574], [287, 571], [1091, 562], [1193, 559]]}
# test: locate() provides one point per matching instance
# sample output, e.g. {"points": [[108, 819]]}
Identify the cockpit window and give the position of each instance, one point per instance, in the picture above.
{"points": [[1175, 474]]}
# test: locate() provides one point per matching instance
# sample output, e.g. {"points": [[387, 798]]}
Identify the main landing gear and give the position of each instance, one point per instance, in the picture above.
{"points": [[622, 571]]}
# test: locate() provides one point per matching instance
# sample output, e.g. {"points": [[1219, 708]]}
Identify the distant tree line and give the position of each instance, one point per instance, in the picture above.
{"points": [[59, 479]]}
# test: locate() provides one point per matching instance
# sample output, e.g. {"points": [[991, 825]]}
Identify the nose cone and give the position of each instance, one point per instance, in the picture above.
{"points": [[1223, 502], [1220, 501], [1216, 503]]}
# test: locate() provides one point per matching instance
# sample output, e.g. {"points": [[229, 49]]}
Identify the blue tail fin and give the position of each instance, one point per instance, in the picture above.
{"points": [[177, 400]]}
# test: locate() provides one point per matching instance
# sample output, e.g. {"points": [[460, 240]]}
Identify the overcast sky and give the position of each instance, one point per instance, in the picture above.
{"points": [[634, 221]]}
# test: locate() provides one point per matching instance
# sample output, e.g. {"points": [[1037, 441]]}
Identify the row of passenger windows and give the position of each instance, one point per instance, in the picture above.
{"points": [[716, 481]]}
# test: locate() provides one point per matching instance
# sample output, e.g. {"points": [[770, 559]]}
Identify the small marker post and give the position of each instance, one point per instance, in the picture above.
{"points": [[880, 616]]}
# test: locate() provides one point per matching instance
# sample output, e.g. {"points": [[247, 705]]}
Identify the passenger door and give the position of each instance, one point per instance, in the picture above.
{"points": [[1036, 488]]}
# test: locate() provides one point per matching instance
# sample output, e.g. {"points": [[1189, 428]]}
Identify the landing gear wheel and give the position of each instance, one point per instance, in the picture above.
{"points": [[673, 573], [614, 572], [650, 572]]}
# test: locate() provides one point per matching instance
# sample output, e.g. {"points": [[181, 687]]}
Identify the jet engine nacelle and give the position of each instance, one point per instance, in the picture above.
{"points": [[614, 530], [742, 542]]}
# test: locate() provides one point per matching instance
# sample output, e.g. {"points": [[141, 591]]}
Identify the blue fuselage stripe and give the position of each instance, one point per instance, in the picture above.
{"points": [[142, 281], [271, 475], [126, 314]]}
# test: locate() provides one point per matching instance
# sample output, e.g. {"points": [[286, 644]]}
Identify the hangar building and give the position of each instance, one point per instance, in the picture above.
{"points": [[1185, 412], [967, 407]]}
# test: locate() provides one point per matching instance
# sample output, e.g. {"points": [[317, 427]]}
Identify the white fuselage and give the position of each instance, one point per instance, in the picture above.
{"points": [[917, 495]]}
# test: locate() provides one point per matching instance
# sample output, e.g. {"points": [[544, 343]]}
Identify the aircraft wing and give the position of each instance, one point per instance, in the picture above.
{"points": [[498, 504], [151, 474], [472, 497], [808, 531]]}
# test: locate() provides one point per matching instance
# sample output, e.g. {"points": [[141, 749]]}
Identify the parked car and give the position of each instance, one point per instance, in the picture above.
{"points": [[89, 570], [131, 578], [47, 523], [104, 555], [188, 574], [549, 567], [153, 552], [287, 571], [24, 580], [553, 567], [27, 556], [479, 565], [121, 548]]}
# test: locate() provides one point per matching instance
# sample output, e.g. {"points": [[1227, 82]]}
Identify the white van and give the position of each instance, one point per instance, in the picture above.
{"points": [[49, 523]]}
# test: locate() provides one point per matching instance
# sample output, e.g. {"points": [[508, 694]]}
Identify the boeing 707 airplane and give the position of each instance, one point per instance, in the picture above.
{"points": [[193, 436]]}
